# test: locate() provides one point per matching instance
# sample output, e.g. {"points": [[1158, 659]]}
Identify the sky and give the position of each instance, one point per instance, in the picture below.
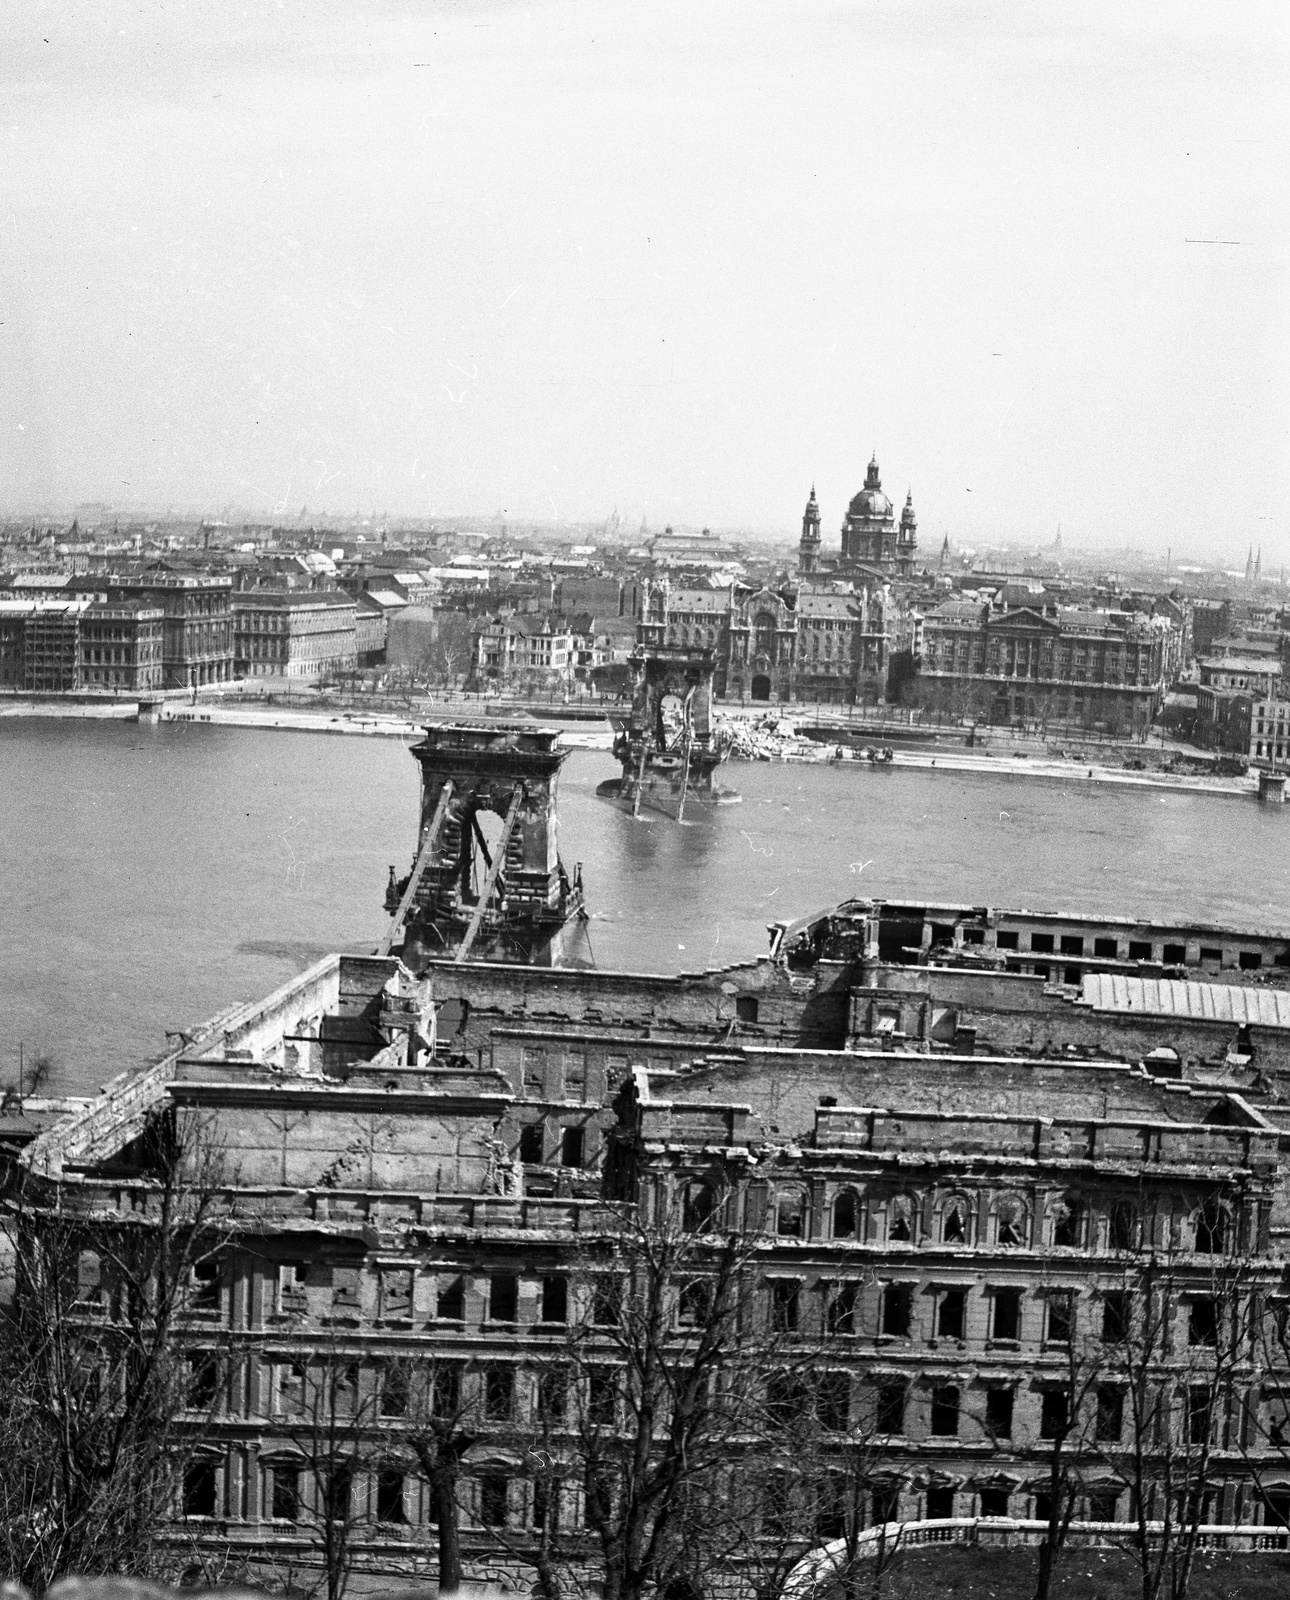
{"points": [[681, 260]]}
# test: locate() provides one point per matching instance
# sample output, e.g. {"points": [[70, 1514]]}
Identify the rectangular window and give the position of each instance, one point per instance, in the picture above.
{"points": [[292, 1277], [998, 1412], [1123, 1228], [552, 1394], [396, 1294], [285, 1495], [206, 1278], [940, 1504], [1007, 1314], [575, 1074], [897, 1306], [291, 1389], [785, 1303], [545, 1503], [694, 1303], [602, 1395], [950, 1313], [1199, 1412], [777, 1516], [445, 1389], [571, 1142], [503, 1297], [1202, 1321], [1175, 955], [1042, 943], [1006, 941], [891, 1408], [555, 1300], [840, 1313], [394, 1391], [1116, 1305], [451, 1302], [833, 1401], [606, 1302], [199, 1490], [533, 1069], [1106, 949], [1110, 1415], [203, 1381], [994, 1502], [499, 1393], [1072, 944], [945, 1411], [532, 1143], [1060, 1311], [389, 1496], [492, 1499], [1103, 1505], [1053, 1414]]}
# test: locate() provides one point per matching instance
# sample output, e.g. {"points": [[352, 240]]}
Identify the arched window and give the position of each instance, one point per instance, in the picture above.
{"points": [[844, 1215], [1068, 1222], [790, 1214], [954, 1221], [900, 1219], [1010, 1219]]}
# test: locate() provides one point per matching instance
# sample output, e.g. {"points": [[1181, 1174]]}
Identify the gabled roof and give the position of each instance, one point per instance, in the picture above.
{"points": [[1023, 617]]}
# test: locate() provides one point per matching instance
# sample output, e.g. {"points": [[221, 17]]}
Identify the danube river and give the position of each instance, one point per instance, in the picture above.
{"points": [[152, 876]]}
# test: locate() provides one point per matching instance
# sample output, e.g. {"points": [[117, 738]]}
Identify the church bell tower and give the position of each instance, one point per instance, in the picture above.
{"points": [[808, 551]]}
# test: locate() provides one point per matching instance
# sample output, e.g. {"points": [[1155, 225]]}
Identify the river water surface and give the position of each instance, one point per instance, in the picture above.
{"points": [[151, 876]]}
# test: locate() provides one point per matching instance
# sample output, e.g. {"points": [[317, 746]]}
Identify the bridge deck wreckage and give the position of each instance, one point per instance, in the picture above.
{"points": [[943, 1109]]}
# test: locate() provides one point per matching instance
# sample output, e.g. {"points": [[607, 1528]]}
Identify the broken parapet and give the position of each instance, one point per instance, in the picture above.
{"points": [[342, 1007]]}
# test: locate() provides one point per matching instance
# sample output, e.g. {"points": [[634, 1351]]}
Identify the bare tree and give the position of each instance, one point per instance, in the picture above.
{"points": [[101, 1385], [658, 1385], [430, 1412], [330, 1413], [1183, 1358], [1069, 1424]]}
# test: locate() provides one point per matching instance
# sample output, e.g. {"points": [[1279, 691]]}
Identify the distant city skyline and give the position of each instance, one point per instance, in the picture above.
{"points": [[783, 542], [547, 260]]}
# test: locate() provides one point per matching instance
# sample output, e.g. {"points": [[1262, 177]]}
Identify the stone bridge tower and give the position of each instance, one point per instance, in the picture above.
{"points": [[488, 883]]}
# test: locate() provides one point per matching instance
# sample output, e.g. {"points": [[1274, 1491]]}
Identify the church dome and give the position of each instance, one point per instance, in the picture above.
{"points": [[871, 502]]}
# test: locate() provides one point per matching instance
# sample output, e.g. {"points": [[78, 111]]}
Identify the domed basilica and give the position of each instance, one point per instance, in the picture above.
{"points": [[872, 543]]}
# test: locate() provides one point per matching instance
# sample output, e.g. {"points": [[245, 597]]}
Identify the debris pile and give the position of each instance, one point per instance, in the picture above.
{"points": [[774, 738]]}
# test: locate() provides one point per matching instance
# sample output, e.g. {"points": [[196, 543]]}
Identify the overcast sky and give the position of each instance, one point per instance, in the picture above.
{"points": [[682, 259]]}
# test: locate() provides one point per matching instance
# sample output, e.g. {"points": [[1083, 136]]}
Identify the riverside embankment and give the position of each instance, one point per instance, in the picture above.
{"points": [[584, 733]]}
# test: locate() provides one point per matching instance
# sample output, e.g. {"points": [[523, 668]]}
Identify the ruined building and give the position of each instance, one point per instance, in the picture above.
{"points": [[960, 1142]]}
